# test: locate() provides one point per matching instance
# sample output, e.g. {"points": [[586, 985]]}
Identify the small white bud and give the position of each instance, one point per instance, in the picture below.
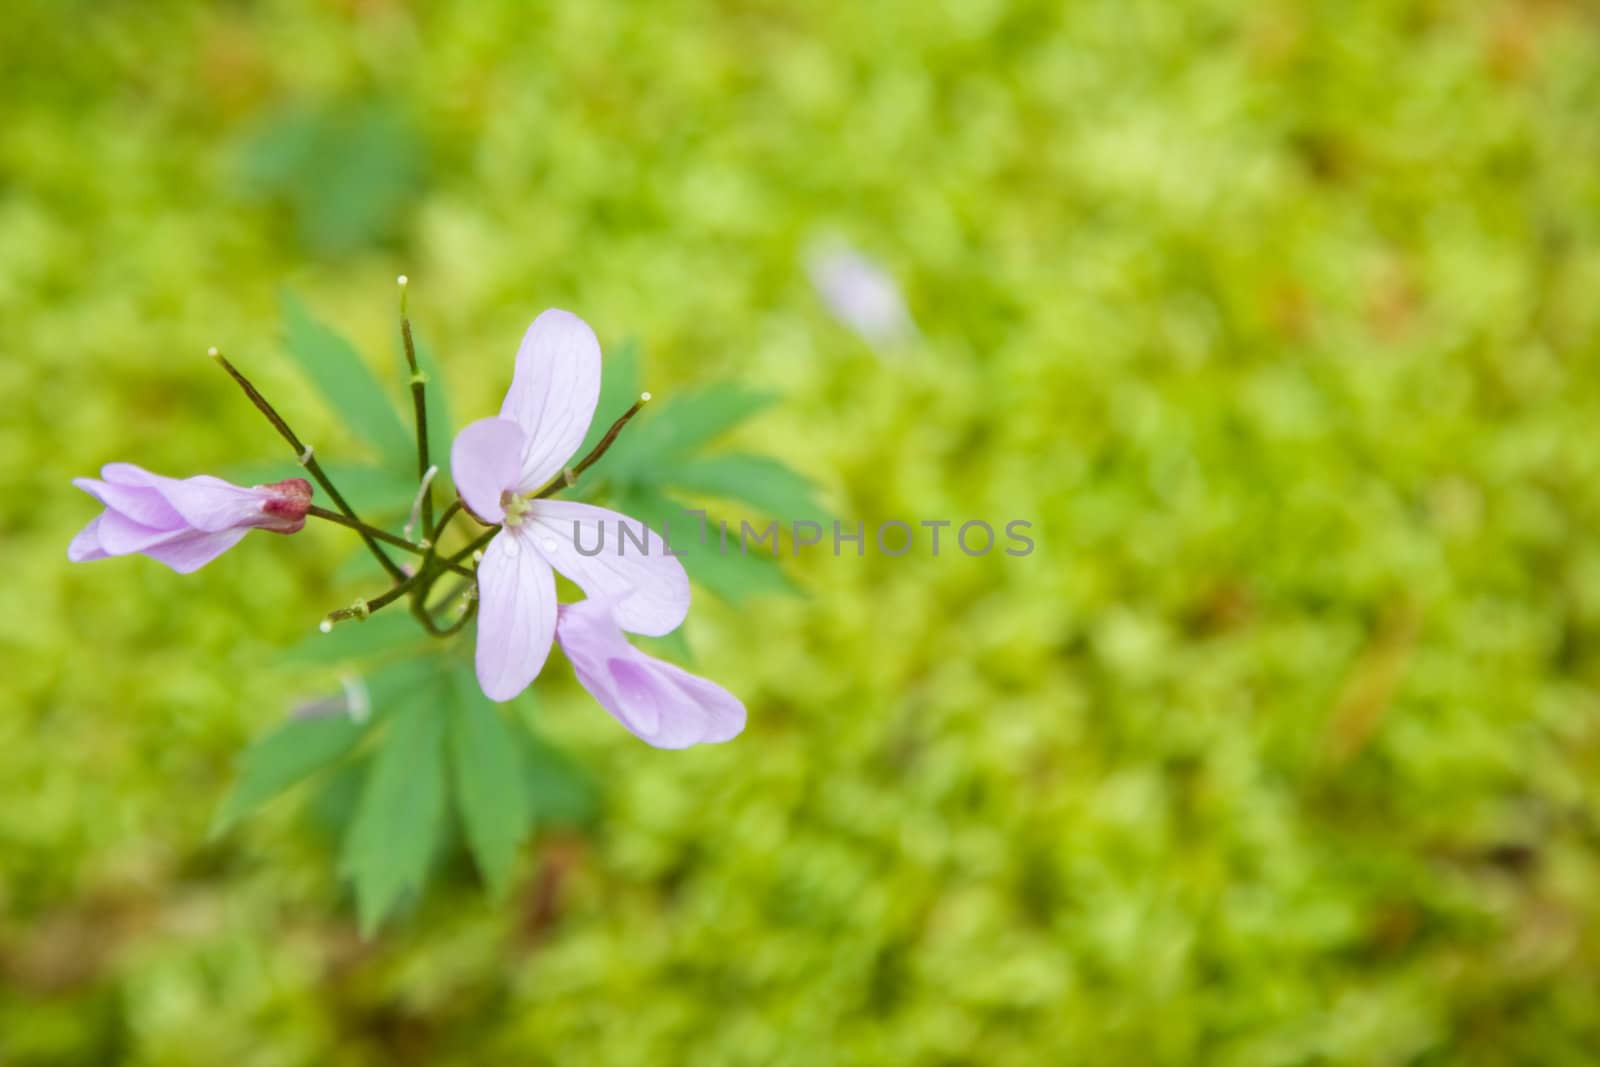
{"points": [[326, 626], [645, 397], [402, 280]]}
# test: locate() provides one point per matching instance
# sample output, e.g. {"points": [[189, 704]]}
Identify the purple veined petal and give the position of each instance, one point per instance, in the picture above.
{"points": [[121, 536], [143, 504], [553, 393], [593, 642], [212, 505], [516, 616], [128, 474], [485, 461], [661, 704], [193, 550], [184, 549], [86, 546], [719, 715], [600, 550]]}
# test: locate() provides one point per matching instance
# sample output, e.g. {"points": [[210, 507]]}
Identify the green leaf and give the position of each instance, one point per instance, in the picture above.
{"points": [[488, 777], [334, 797], [347, 172], [619, 388], [560, 793], [399, 821], [333, 366], [733, 576], [759, 481], [681, 425], [299, 748], [292, 752], [380, 495], [384, 634]]}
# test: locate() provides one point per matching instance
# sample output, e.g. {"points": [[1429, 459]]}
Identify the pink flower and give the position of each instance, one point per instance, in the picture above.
{"points": [[861, 294], [183, 523], [661, 704], [498, 465]]}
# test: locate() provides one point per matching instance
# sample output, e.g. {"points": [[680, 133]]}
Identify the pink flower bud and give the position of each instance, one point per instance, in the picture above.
{"points": [[287, 504], [184, 523]]}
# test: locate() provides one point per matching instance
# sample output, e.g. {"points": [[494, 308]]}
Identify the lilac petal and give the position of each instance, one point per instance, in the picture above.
{"points": [[86, 546], [143, 504], [121, 536], [211, 505], [516, 616], [202, 503], [183, 550], [128, 474], [649, 588], [553, 393], [485, 461], [193, 550], [659, 703]]}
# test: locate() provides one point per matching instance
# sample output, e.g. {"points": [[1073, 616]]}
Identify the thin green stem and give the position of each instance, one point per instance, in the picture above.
{"points": [[309, 461], [419, 410], [382, 535], [569, 477]]}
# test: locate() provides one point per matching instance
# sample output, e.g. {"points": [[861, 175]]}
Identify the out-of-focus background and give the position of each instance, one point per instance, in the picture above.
{"points": [[1278, 322]]}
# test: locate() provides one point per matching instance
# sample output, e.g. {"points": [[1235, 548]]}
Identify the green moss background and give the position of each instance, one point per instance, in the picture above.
{"points": [[1278, 321]]}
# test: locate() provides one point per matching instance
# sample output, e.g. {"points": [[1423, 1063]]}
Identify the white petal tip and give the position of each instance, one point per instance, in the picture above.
{"points": [[326, 626]]}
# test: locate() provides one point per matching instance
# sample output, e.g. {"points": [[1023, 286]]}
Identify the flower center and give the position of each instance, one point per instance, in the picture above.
{"points": [[516, 508]]}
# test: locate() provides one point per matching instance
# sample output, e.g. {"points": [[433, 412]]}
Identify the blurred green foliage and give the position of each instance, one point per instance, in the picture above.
{"points": [[1278, 321]]}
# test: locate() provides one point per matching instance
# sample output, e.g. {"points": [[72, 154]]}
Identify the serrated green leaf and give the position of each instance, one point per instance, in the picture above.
{"points": [[680, 425], [300, 747], [334, 367], [385, 634], [560, 793], [619, 388], [291, 753], [733, 576], [380, 495], [334, 798], [347, 172], [488, 777], [759, 481], [401, 814]]}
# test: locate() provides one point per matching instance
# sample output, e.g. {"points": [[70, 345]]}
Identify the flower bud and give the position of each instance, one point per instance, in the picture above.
{"points": [[287, 503]]}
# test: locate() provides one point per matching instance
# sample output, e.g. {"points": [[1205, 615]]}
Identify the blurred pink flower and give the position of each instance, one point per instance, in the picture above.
{"points": [[861, 294]]}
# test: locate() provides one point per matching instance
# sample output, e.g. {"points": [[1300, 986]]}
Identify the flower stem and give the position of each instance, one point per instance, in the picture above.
{"points": [[569, 477], [382, 535], [309, 461], [421, 583], [419, 408]]}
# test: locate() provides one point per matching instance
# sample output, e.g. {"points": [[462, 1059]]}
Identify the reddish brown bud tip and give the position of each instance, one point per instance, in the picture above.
{"points": [[287, 502]]}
